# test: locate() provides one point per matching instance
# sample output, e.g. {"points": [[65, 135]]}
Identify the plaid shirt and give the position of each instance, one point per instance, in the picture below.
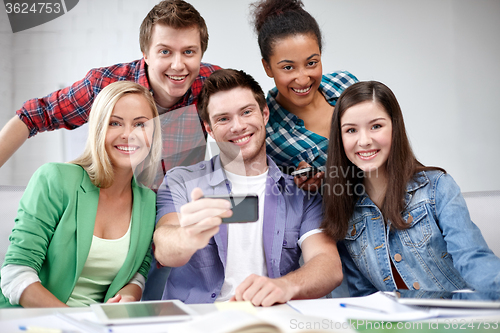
{"points": [[288, 141], [183, 134]]}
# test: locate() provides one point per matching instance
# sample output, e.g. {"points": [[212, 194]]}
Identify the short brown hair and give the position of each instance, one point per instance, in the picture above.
{"points": [[176, 14], [224, 80]]}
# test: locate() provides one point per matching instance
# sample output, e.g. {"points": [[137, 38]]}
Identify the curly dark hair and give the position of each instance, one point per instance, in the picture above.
{"points": [[277, 19]]}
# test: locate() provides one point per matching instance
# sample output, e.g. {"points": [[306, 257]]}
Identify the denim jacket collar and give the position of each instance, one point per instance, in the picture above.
{"points": [[419, 180]]}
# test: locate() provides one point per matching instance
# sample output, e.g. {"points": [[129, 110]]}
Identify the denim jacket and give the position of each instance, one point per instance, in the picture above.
{"points": [[442, 250]]}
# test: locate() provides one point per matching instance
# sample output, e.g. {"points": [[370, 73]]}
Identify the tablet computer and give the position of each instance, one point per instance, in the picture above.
{"points": [[142, 312], [449, 299]]}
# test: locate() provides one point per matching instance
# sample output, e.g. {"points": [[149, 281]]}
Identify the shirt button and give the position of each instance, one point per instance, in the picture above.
{"points": [[284, 243], [398, 257], [353, 232], [416, 285], [213, 295], [202, 166]]}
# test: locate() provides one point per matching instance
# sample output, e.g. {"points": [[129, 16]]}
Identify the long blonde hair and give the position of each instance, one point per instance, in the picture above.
{"points": [[95, 159]]}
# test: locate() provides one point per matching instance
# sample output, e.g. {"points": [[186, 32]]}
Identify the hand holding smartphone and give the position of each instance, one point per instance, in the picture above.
{"points": [[308, 172], [245, 207]]}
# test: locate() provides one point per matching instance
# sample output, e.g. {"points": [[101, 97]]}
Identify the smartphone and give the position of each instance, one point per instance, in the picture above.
{"points": [[245, 207], [308, 172]]}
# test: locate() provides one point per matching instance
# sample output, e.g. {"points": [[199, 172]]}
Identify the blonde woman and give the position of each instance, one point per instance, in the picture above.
{"points": [[83, 230]]}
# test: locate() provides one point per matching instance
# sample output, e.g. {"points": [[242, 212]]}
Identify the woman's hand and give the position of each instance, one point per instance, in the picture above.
{"points": [[130, 293], [311, 184], [121, 299]]}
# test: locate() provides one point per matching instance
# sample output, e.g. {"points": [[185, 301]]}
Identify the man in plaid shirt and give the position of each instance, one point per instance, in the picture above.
{"points": [[173, 38]]}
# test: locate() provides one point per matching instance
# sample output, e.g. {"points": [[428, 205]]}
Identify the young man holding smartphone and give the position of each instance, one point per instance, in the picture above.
{"points": [[173, 38], [257, 261]]}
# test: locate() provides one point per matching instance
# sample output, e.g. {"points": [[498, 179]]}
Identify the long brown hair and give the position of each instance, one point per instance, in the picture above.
{"points": [[343, 178]]}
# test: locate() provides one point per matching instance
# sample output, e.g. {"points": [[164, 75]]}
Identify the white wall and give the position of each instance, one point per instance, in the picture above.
{"points": [[441, 58]]}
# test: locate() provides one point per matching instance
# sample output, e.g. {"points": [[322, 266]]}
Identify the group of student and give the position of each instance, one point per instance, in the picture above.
{"points": [[91, 229]]}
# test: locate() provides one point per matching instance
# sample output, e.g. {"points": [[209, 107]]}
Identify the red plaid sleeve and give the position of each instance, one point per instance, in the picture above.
{"points": [[70, 107]]}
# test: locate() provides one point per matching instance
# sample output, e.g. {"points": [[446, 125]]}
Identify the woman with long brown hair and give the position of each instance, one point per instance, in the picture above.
{"points": [[403, 225]]}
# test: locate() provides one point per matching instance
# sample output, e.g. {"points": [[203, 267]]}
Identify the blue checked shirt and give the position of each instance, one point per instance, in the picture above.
{"points": [[288, 141]]}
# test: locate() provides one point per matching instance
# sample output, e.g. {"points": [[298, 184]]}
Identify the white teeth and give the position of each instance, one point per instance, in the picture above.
{"points": [[242, 139], [301, 91], [177, 78], [126, 148], [368, 154]]}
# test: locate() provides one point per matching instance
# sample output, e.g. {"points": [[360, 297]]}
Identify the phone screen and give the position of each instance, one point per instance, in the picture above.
{"points": [[245, 207]]}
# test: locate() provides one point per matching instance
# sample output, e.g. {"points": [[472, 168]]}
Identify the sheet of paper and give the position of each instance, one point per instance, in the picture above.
{"points": [[49, 321], [55, 322], [245, 306], [373, 307]]}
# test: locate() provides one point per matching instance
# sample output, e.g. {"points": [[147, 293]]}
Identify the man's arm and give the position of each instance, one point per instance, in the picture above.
{"points": [[320, 274], [179, 235], [12, 136]]}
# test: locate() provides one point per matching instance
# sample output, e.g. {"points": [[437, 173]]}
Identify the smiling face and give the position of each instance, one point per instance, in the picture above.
{"points": [[238, 125], [173, 61], [296, 68], [130, 132], [367, 136]]}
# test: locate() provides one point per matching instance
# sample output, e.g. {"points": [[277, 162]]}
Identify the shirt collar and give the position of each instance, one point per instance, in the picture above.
{"points": [[218, 175], [419, 180], [143, 75], [287, 119]]}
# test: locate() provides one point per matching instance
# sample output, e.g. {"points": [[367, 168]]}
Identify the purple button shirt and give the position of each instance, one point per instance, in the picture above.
{"points": [[289, 213]]}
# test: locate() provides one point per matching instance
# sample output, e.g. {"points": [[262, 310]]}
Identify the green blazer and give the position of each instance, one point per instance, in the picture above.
{"points": [[55, 224]]}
